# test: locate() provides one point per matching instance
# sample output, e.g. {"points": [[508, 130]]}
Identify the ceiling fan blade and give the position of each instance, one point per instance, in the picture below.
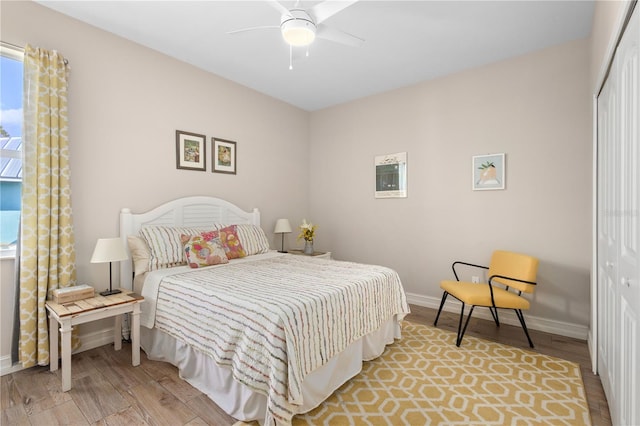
{"points": [[327, 9], [264, 27], [279, 7], [338, 36]]}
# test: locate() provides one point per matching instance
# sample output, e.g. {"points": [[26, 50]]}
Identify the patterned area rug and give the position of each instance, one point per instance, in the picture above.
{"points": [[424, 379]]}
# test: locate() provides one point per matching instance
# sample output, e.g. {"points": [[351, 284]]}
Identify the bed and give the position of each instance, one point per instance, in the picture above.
{"points": [[266, 335]]}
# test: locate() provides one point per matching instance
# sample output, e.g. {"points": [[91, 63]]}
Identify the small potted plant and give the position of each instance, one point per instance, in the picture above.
{"points": [[307, 232]]}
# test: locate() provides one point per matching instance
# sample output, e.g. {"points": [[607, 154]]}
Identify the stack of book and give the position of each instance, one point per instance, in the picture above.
{"points": [[71, 294]]}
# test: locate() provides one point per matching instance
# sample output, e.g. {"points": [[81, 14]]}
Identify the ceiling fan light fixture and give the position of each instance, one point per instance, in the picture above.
{"points": [[298, 32]]}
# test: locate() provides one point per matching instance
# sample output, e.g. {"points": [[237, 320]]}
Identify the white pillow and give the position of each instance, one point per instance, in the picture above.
{"points": [[140, 254]]}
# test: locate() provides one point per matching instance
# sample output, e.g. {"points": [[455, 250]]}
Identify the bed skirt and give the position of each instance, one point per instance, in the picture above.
{"points": [[242, 403]]}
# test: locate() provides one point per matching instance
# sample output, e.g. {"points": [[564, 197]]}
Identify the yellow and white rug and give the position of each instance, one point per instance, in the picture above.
{"points": [[424, 379]]}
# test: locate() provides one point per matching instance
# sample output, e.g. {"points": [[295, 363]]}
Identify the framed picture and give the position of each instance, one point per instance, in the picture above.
{"points": [[488, 172], [224, 156], [391, 175], [190, 151]]}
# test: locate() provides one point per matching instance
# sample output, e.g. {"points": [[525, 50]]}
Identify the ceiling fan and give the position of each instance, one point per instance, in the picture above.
{"points": [[300, 27]]}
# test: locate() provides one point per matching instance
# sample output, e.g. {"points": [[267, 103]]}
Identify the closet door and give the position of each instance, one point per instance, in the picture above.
{"points": [[629, 241], [619, 230], [608, 332]]}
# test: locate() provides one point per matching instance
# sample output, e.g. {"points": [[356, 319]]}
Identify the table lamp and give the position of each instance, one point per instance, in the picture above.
{"points": [[282, 227], [109, 250]]}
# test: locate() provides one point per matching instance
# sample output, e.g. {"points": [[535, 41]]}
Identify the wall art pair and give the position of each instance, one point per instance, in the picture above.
{"points": [[191, 153]]}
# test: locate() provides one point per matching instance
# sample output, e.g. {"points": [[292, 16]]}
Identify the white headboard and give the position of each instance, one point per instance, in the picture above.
{"points": [[189, 211]]}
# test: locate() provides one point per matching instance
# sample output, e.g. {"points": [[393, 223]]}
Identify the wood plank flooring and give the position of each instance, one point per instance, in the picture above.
{"points": [[107, 390]]}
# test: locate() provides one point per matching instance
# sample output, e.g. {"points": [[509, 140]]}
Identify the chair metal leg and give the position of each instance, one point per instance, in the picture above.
{"points": [[461, 333], [444, 297], [494, 314], [524, 326]]}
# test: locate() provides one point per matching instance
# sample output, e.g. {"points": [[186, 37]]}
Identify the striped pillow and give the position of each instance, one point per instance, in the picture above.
{"points": [[165, 245], [253, 239]]}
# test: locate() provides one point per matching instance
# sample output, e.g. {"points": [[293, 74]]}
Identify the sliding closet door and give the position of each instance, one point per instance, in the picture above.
{"points": [[608, 182], [619, 230], [629, 241]]}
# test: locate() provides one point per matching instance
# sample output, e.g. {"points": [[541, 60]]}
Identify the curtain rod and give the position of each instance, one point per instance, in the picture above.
{"points": [[13, 46], [21, 49]]}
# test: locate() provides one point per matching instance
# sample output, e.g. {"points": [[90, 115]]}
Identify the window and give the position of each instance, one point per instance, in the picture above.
{"points": [[10, 148]]}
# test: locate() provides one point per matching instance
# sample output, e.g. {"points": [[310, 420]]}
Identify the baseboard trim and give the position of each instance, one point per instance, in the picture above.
{"points": [[561, 328], [87, 341], [6, 367], [96, 339]]}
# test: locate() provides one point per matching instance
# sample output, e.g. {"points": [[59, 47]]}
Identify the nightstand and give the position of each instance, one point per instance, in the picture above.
{"points": [[318, 254], [67, 315]]}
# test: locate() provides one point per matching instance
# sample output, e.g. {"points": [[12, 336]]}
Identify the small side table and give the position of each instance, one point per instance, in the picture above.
{"points": [[318, 254], [81, 311]]}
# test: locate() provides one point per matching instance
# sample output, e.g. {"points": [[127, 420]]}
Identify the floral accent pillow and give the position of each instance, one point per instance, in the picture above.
{"points": [[204, 249], [231, 242]]}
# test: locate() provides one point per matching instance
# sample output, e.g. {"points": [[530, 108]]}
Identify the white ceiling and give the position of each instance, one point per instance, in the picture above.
{"points": [[405, 41]]}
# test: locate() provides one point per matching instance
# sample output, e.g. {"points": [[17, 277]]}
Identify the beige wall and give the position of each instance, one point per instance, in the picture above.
{"points": [[534, 108], [125, 104]]}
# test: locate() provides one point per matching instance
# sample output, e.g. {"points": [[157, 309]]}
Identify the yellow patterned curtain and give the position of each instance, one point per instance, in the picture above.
{"points": [[47, 256]]}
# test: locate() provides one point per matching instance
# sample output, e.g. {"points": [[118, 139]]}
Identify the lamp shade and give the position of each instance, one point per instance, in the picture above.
{"points": [[109, 250], [282, 226]]}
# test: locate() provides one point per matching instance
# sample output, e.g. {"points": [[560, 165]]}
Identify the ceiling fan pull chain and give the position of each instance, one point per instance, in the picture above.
{"points": [[307, 51], [290, 57]]}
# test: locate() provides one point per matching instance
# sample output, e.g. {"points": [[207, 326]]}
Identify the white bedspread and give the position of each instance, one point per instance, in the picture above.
{"points": [[276, 319], [153, 279]]}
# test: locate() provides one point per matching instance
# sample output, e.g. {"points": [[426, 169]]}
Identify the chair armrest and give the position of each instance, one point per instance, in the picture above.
{"points": [[453, 266], [510, 278], [507, 278]]}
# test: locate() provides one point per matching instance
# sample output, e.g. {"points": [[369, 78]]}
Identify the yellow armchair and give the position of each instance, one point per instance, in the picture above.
{"points": [[509, 275]]}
